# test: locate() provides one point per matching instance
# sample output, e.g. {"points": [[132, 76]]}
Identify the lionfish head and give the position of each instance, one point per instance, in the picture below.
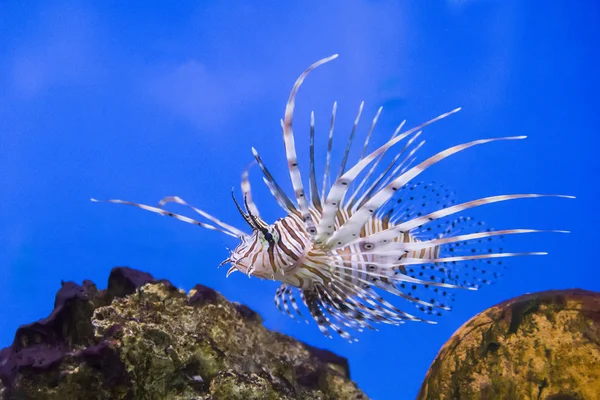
{"points": [[247, 257]]}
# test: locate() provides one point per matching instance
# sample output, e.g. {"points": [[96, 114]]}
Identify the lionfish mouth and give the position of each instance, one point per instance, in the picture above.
{"points": [[236, 265], [227, 260]]}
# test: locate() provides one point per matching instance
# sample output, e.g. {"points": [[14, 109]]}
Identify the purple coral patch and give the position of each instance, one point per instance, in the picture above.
{"points": [[203, 295]]}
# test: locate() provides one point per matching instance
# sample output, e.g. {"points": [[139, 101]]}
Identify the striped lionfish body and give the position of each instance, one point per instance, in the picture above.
{"points": [[336, 248]]}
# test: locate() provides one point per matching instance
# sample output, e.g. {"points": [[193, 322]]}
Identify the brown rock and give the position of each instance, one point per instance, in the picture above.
{"points": [[144, 339], [543, 346]]}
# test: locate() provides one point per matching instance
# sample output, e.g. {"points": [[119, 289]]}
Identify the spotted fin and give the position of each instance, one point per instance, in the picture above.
{"points": [[349, 231], [340, 187], [384, 178]]}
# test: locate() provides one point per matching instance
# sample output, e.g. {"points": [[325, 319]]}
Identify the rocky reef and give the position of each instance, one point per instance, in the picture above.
{"points": [[543, 346], [142, 338]]}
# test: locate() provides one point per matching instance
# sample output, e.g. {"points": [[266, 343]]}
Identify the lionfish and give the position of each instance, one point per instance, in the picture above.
{"points": [[335, 251]]}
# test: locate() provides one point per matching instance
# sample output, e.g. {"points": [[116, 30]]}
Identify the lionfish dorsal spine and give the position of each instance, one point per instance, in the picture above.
{"points": [[368, 137], [313, 188], [283, 200], [350, 139], [328, 154], [290, 149]]}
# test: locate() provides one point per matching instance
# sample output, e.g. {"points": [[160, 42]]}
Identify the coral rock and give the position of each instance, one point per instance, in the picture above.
{"points": [[143, 338], [543, 346]]}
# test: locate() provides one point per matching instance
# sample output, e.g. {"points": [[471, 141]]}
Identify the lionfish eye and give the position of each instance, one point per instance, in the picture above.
{"points": [[269, 238]]}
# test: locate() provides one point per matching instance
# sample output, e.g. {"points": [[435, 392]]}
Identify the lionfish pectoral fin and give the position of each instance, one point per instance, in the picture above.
{"points": [[414, 246], [179, 200], [382, 180], [383, 239], [353, 198], [341, 186], [283, 294], [454, 209], [236, 233], [356, 222]]}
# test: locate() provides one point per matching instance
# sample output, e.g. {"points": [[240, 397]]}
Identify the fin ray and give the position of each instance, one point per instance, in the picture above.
{"points": [[349, 230], [349, 144], [340, 187], [290, 148], [236, 234], [314, 190]]}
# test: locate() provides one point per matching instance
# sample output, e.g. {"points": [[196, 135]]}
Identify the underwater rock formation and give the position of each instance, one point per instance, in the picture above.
{"points": [[543, 346], [143, 338]]}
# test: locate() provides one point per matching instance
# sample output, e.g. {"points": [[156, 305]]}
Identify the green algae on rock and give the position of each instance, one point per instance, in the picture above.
{"points": [[543, 346], [145, 339]]}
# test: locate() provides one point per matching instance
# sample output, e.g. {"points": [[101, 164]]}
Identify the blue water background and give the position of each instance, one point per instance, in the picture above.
{"points": [[138, 101]]}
